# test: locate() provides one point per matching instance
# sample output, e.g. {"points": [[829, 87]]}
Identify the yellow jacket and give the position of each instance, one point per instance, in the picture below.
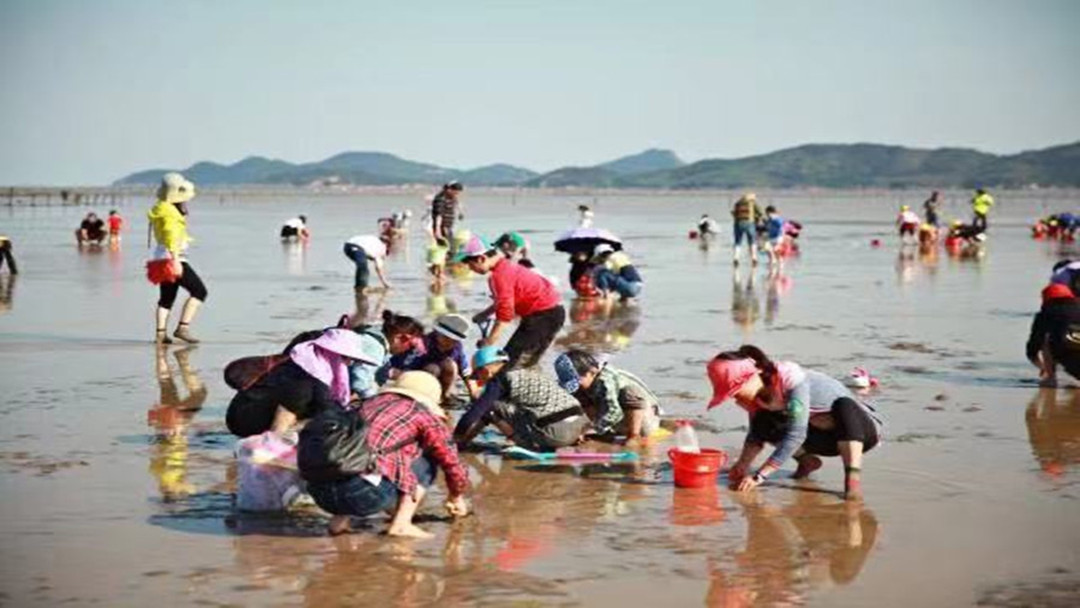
{"points": [[981, 203], [170, 227]]}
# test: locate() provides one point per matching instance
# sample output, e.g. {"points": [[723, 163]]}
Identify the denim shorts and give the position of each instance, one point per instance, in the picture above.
{"points": [[745, 229], [358, 497]]}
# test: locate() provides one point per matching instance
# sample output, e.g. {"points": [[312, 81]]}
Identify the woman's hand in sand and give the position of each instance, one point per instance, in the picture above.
{"points": [[457, 506], [748, 482]]}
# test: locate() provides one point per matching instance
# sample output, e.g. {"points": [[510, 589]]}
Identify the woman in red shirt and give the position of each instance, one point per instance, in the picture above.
{"points": [[518, 292]]}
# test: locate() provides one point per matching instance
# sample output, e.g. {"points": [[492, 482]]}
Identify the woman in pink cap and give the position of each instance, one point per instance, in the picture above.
{"points": [[804, 413]]}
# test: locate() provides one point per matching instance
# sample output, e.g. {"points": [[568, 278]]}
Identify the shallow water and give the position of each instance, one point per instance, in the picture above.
{"points": [[115, 469]]}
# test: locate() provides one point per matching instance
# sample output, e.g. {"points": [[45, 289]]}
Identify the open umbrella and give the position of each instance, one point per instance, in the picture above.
{"points": [[585, 239]]}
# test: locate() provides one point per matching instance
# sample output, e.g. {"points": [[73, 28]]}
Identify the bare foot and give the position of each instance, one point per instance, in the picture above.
{"points": [[409, 531], [1048, 382], [339, 524]]}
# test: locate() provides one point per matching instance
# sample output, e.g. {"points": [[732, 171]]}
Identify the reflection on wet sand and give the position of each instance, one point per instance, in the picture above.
{"points": [[170, 417], [437, 302], [790, 551], [1053, 424], [529, 513], [601, 324], [7, 291], [779, 285], [745, 306], [369, 308], [295, 253]]}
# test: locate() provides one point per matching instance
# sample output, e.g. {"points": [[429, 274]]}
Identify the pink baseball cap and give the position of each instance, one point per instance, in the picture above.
{"points": [[475, 246], [728, 376]]}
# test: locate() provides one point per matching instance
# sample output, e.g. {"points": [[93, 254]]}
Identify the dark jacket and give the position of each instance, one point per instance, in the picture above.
{"points": [[1058, 322]]}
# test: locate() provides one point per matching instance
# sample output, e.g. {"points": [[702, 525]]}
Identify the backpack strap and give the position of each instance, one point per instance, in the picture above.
{"points": [[273, 361]]}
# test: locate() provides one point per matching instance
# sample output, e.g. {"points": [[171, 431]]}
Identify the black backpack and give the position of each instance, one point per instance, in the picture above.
{"points": [[333, 445]]}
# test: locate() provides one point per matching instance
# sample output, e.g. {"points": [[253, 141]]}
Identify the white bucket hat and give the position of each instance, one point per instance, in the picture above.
{"points": [[175, 188], [455, 327]]}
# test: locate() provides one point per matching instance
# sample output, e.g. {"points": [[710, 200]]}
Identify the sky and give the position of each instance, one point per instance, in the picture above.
{"points": [[94, 90]]}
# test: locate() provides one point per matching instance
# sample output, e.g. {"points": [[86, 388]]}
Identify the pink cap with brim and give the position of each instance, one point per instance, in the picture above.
{"points": [[728, 376]]}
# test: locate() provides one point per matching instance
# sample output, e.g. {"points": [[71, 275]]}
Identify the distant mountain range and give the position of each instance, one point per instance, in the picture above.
{"points": [[814, 165]]}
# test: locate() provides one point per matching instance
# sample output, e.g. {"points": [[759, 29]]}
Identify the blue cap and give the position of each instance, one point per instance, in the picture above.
{"points": [[568, 376], [487, 355]]}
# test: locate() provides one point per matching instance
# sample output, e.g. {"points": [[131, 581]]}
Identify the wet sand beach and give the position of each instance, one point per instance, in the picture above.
{"points": [[116, 470]]}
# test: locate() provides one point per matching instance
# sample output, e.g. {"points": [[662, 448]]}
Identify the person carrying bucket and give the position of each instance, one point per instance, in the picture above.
{"points": [[805, 413]]}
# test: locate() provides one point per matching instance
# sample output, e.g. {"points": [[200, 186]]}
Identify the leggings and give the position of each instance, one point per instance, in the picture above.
{"points": [[853, 423], [979, 222], [6, 255], [189, 281]]}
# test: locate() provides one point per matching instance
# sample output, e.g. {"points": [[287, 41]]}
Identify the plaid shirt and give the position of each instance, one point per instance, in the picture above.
{"points": [[395, 420]]}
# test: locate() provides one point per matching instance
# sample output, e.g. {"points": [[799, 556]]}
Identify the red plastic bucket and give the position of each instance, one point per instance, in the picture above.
{"points": [[696, 470]]}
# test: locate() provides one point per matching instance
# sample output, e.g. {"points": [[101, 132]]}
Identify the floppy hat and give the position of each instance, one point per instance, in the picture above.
{"points": [[346, 343], [175, 188], [487, 355], [475, 246], [727, 377], [419, 386], [455, 327]]}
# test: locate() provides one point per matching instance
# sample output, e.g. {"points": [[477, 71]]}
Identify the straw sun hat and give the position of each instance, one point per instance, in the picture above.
{"points": [[175, 188], [419, 386]]}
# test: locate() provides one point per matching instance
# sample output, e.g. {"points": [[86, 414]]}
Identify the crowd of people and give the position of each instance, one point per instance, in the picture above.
{"points": [[369, 408]]}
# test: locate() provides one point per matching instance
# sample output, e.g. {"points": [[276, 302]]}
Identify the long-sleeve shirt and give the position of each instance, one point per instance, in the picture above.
{"points": [[533, 395], [170, 230], [806, 393], [519, 291], [1058, 322], [395, 420], [981, 203]]}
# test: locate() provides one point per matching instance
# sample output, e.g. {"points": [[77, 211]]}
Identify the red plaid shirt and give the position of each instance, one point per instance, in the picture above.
{"points": [[395, 420]]}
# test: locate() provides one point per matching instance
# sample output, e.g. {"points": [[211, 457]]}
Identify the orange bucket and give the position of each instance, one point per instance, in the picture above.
{"points": [[696, 470]]}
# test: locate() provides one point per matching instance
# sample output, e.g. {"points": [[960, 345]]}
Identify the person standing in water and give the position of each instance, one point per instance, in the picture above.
{"points": [[980, 205], [362, 249], [168, 223], [774, 226], [116, 225], [744, 213], [805, 413], [445, 210], [586, 215], [6, 255], [931, 208], [907, 222]]}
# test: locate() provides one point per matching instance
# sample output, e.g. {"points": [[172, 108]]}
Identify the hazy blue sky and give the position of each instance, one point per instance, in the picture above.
{"points": [[94, 90]]}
